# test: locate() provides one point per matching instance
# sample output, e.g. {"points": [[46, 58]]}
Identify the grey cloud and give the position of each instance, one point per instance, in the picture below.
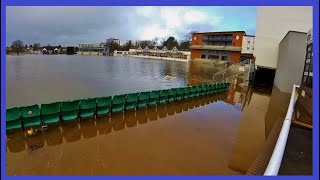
{"points": [[69, 25]]}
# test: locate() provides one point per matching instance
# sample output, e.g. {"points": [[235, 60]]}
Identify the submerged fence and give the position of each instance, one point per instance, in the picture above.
{"points": [[276, 158], [32, 116]]}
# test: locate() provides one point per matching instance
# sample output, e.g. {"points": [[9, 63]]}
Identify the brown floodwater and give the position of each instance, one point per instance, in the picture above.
{"points": [[209, 135]]}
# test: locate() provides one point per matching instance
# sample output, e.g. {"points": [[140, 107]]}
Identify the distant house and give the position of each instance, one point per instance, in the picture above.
{"points": [[50, 50], [44, 51]]}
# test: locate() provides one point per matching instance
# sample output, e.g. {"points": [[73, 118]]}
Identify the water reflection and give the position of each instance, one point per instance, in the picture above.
{"points": [[15, 141], [71, 131], [88, 128], [260, 112], [53, 135], [201, 73]]}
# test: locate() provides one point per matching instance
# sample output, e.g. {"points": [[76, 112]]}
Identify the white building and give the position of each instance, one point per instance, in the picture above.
{"points": [[113, 40], [247, 44], [273, 23]]}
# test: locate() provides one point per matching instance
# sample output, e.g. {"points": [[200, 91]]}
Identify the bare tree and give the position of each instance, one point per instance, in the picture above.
{"points": [[188, 37], [155, 41], [17, 46], [36, 47]]}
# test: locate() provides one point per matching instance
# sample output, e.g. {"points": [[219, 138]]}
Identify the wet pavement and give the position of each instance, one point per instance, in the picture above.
{"points": [[297, 158], [210, 135]]}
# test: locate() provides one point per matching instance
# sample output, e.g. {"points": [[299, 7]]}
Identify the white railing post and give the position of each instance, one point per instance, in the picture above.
{"points": [[276, 158]]}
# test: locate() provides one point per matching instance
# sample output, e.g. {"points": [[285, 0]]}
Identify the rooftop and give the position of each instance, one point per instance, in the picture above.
{"points": [[221, 32]]}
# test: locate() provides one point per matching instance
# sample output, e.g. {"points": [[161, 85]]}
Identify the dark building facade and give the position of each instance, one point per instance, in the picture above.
{"points": [[70, 50], [308, 72]]}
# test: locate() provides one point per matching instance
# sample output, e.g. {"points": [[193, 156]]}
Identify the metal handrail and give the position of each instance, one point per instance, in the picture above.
{"points": [[276, 158]]}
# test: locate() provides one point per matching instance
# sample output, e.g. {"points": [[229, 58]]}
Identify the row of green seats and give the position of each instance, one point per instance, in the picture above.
{"points": [[30, 116]]}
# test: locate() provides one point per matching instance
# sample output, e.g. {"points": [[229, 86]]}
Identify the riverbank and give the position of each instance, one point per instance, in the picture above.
{"points": [[160, 58], [89, 53]]}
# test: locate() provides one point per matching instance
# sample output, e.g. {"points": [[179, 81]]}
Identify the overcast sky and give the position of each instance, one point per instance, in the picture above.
{"points": [[75, 25]]}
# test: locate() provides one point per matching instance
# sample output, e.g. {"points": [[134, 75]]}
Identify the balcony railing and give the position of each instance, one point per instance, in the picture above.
{"points": [[217, 40], [211, 47]]}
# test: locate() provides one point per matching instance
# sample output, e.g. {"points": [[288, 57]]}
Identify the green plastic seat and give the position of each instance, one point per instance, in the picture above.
{"points": [[87, 107], [118, 102], [103, 105], [172, 95], [223, 87], [226, 86], [220, 85], [154, 97], [163, 98], [30, 116], [215, 88], [131, 102], [143, 99], [209, 89], [199, 90], [13, 119], [195, 91], [180, 93], [50, 113], [204, 89], [187, 92], [70, 110]]}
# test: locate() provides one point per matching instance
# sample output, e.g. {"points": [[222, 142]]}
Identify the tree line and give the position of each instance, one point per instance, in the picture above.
{"points": [[170, 42], [18, 47]]}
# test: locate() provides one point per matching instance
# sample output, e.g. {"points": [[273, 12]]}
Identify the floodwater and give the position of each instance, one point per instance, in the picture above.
{"points": [[36, 79], [210, 135]]}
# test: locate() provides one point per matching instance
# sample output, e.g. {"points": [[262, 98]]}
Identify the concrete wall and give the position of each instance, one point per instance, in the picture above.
{"points": [[248, 44], [273, 23], [291, 59]]}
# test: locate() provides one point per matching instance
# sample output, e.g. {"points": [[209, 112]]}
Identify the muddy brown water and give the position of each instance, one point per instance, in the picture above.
{"points": [[217, 134]]}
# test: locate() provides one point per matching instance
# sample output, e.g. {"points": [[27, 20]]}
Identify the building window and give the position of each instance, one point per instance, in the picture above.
{"points": [[304, 79], [249, 41], [307, 67], [308, 55], [248, 48]]}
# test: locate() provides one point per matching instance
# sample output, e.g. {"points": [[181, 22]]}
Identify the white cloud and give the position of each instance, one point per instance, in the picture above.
{"points": [[156, 30], [145, 11], [169, 21]]}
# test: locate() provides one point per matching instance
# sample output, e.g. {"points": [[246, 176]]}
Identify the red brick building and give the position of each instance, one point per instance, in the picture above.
{"points": [[217, 45]]}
